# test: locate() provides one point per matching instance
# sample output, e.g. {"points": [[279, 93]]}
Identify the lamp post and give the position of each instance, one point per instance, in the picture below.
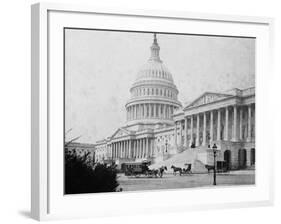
{"points": [[215, 164]]}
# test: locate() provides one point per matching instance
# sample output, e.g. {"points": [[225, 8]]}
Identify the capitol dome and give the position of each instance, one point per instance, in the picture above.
{"points": [[154, 70], [154, 96]]}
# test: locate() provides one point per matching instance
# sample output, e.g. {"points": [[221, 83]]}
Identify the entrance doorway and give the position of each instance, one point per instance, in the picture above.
{"points": [[253, 156], [242, 158], [227, 158]]}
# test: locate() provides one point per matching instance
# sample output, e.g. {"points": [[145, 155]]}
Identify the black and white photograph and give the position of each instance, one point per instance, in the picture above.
{"points": [[148, 111]]}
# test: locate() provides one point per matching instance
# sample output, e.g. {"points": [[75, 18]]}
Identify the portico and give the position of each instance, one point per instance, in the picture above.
{"points": [[216, 117]]}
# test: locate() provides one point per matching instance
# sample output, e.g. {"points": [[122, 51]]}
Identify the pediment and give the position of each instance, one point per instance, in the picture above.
{"points": [[207, 98], [120, 132]]}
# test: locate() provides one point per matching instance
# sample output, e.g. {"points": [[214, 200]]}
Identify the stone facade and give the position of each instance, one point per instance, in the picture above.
{"points": [[158, 127]]}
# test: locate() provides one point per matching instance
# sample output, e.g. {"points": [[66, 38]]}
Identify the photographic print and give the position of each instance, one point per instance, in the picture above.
{"points": [[150, 111]]}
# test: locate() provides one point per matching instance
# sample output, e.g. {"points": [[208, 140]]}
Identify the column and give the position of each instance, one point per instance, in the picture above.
{"points": [[126, 149], [114, 144], [234, 134], [113, 151], [130, 149], [141, 148], [211, 126], [226, 125], [134, 148], [117, 150], [140, 110], [128, 152], [121, 150], [136, 112], [145, 111], [191, 130], [204, 128], [180, 132], [241, 123], [219, 126], [147, 153], [185, 132], [249, 123], [154, 110], [197, 130], [164, 111], [152, 147], [138, 147], [144, 147], [176, 134]]}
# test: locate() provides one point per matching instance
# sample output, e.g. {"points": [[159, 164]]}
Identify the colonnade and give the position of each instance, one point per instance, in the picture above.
{"points": [[218, 130], [150, 110], [131, 149]]}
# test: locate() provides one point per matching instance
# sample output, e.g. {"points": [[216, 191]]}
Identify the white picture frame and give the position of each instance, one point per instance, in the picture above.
{"points": [[47, 202]]}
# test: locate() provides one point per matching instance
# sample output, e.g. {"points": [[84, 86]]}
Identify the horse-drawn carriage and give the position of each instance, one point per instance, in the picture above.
{"points": [[185, 170], [222, 166], [137, 169]]}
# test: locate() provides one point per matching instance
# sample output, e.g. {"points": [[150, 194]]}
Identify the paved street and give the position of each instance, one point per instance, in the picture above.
{"points": [[169, 181]]}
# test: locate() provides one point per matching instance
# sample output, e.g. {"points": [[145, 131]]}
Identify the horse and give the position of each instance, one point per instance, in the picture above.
{"points": [[176, 169], [161, 171], [209, 167]]}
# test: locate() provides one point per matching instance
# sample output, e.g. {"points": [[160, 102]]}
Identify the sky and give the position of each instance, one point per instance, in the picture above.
{"points": [[101, 66]]}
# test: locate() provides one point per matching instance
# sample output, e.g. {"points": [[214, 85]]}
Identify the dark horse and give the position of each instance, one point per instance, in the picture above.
{"points": [[209, 167], [161, 171], [176, 169]]}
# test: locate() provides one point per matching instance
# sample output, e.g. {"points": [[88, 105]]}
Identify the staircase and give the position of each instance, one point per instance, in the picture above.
{"points": [[198, 157]]}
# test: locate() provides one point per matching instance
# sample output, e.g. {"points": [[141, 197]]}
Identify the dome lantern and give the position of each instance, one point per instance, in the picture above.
{"points": [[155, 50]]}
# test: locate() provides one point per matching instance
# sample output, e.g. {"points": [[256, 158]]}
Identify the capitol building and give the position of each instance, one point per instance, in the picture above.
{"points": [[160, 129]]}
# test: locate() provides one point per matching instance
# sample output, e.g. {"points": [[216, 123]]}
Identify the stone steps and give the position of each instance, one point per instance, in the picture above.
{"points": [[185, 156]]}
